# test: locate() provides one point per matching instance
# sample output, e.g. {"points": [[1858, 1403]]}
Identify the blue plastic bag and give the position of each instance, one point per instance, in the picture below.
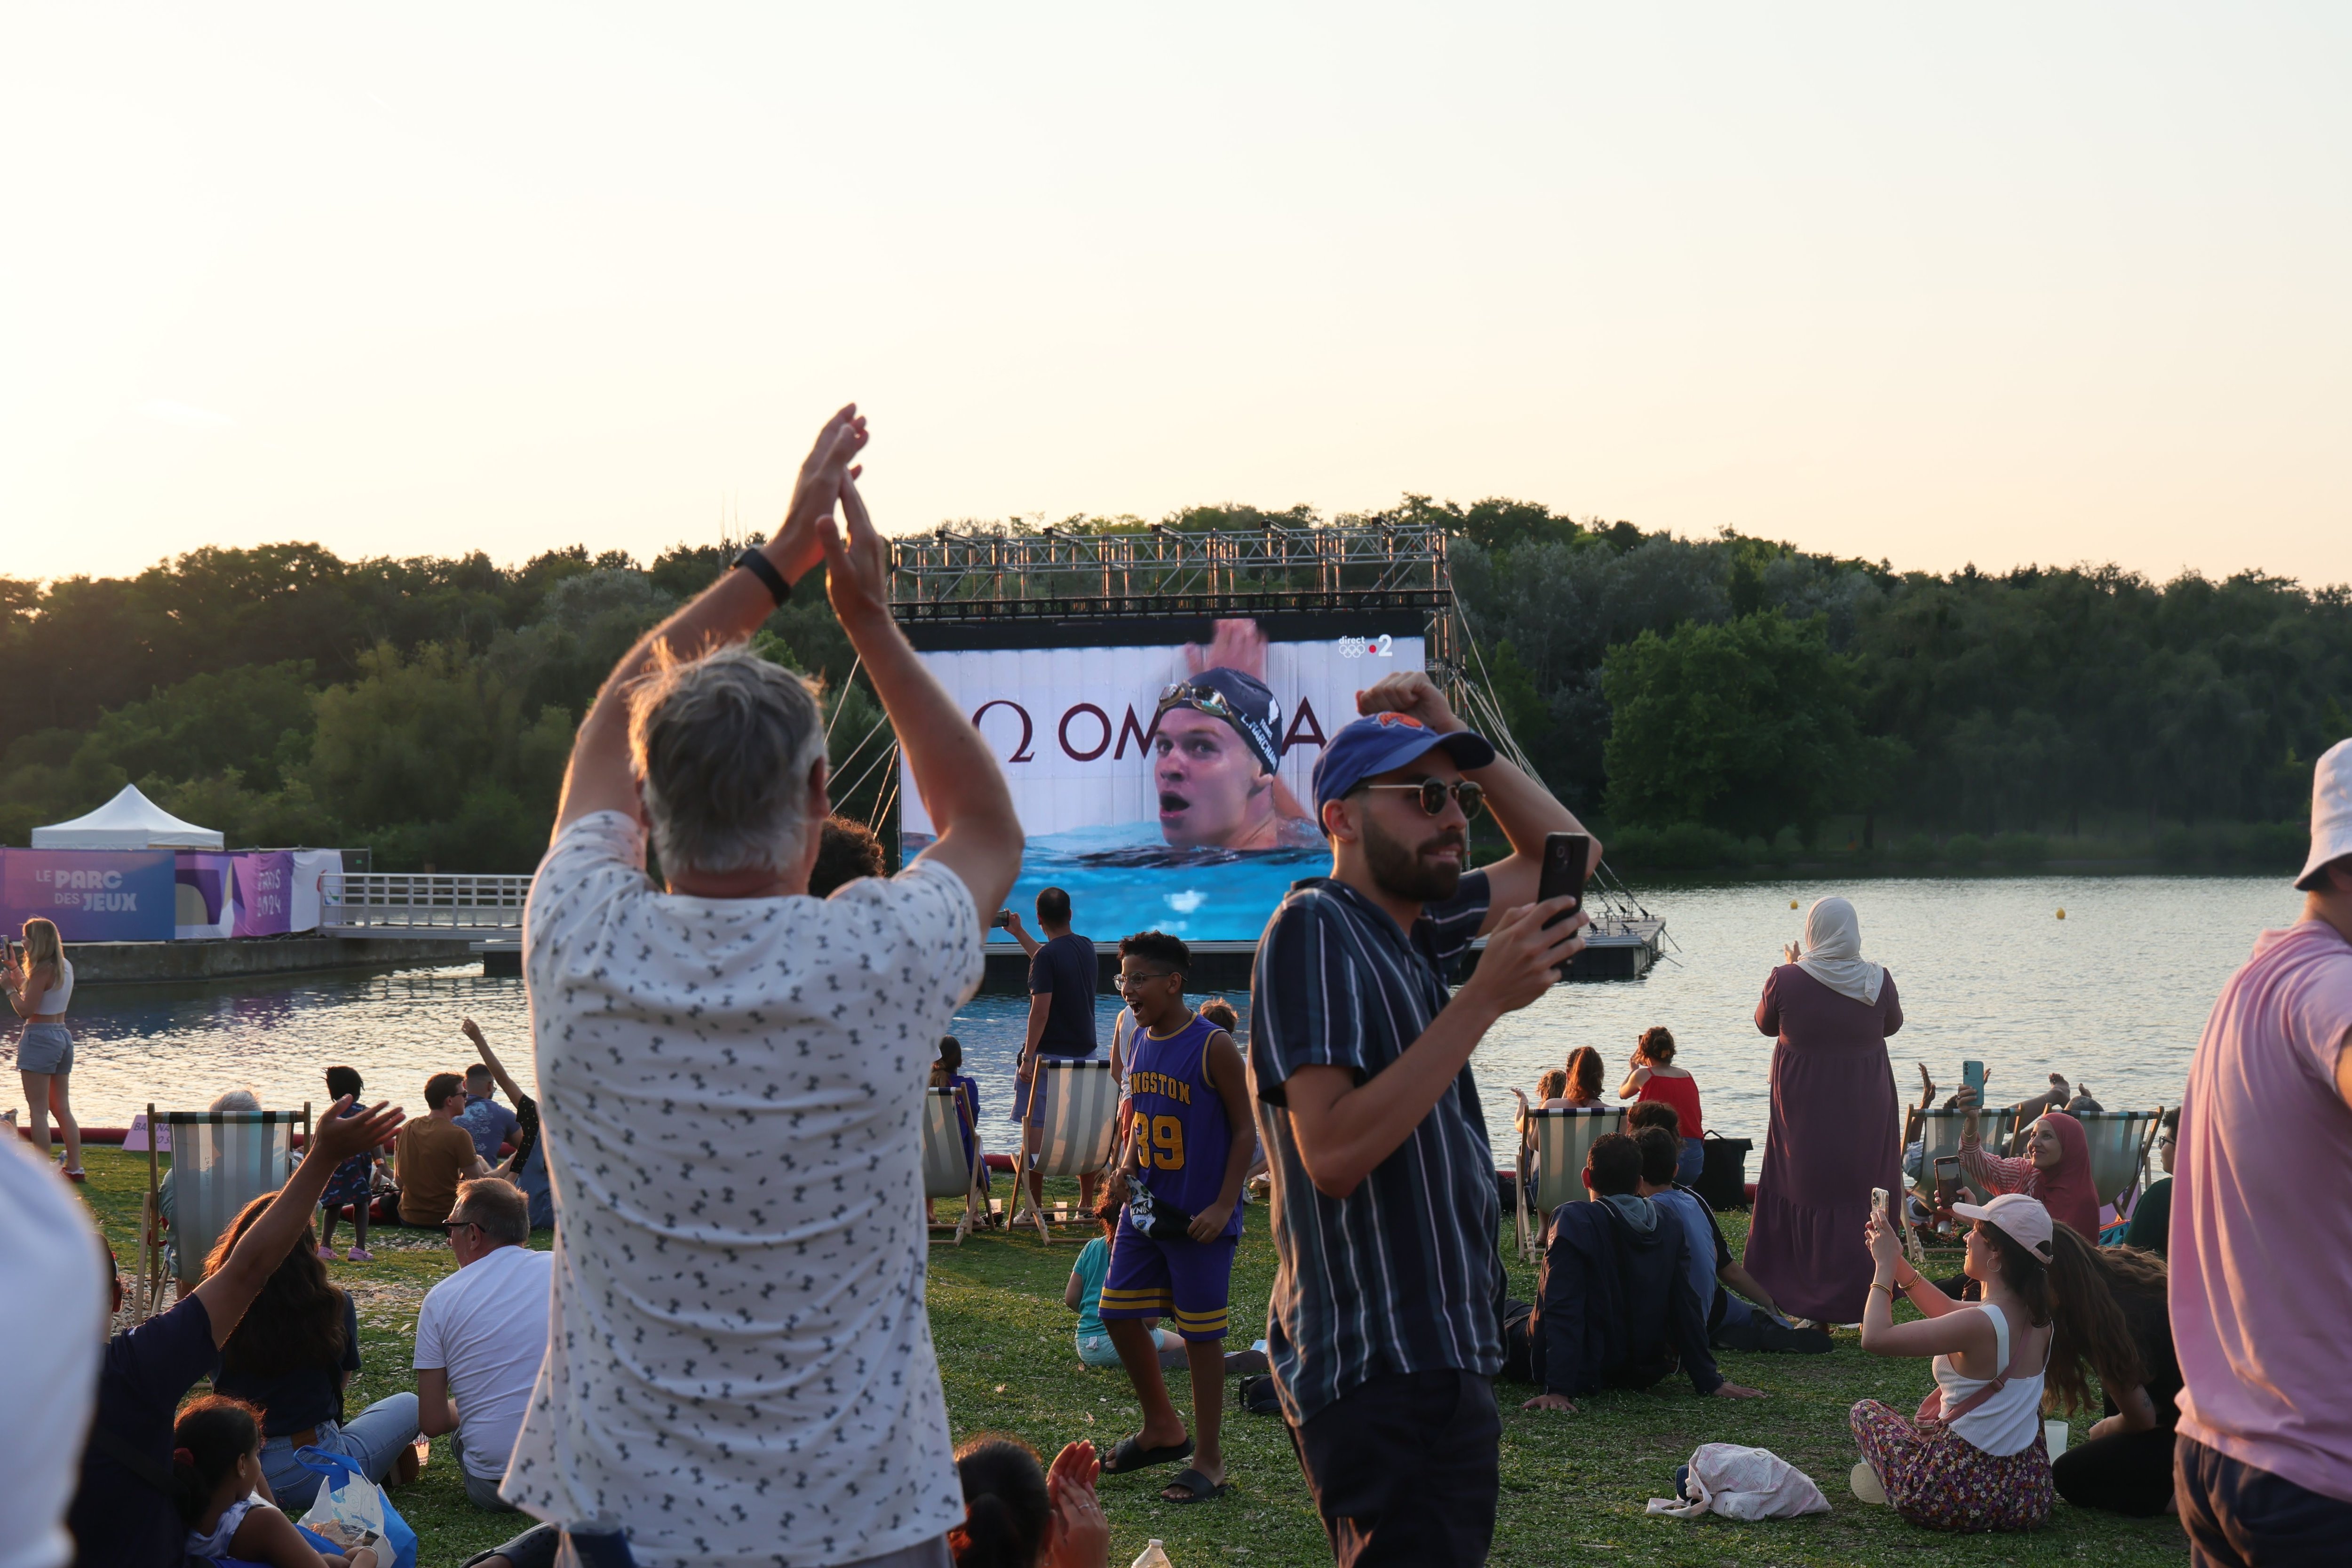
{"points": [[347, 1497]]}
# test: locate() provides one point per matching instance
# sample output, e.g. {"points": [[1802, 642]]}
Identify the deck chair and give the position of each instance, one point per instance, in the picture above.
{"points": [[1072, 1127], [1937, 1128], [1552, 1147], [946, 1172], [221, 1160], [2120, 1142]]}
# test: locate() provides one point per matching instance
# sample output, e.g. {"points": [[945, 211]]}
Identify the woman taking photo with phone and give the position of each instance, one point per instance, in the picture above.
{"points": [[1973, 1459], [39, 987]]}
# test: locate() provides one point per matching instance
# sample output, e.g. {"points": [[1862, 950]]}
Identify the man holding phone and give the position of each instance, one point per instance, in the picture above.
{"points": [[1384, 1329]]}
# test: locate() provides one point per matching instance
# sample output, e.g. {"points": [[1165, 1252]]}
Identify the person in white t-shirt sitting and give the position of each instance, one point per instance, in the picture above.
{"points": [[739, 1364], [481, 1335]]}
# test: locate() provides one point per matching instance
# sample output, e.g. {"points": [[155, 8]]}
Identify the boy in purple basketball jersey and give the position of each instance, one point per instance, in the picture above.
{"points": [[1189, 1140]]}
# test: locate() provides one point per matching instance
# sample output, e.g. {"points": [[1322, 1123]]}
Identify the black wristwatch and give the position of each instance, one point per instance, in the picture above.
{"points": [[762, 568]]}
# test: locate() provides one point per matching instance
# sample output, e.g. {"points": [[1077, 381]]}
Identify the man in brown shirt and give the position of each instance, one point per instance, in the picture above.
{"points": [[435, 1153]]}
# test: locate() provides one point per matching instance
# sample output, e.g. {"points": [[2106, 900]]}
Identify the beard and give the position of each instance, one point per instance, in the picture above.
{"points": [[1400, 870]]}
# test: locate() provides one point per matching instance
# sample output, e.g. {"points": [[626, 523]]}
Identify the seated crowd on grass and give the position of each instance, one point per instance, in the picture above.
{"points": [[728, 1357]]}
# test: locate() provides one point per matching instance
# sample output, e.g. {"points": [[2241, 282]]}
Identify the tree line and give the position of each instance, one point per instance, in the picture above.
{"points": [[1708, 699]]}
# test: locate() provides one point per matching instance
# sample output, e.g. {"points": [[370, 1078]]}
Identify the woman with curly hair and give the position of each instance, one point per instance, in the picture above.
{"points": [[292, 1355]]}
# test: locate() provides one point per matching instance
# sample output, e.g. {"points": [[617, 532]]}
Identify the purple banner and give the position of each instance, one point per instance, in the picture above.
{"points": [[93, 895], [265, 887], [201, 895]]}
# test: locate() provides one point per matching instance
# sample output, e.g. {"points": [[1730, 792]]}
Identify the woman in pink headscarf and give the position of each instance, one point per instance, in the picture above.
{"points": [[2055, 1168]]}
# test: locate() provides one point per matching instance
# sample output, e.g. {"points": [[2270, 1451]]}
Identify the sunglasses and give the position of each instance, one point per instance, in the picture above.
{"points": [[450, 1224], [1469, 795]]}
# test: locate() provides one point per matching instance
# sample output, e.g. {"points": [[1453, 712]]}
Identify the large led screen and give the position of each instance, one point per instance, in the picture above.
{"points": [[1162, 766]]}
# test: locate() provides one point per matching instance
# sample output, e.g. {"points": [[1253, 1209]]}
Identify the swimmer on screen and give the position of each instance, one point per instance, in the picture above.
{"points": [[1217, 738]]}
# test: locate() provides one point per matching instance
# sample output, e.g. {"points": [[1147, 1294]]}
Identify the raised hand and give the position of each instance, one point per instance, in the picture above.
{"points": [[797, 547], [1413, 694], [857, 569], [1081, 1536], [337, 1137], [1234, 645]]}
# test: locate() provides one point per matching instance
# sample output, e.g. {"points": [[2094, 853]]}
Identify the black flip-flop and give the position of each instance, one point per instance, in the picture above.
{"points": [[1130, 1455], [1197, 1487]]}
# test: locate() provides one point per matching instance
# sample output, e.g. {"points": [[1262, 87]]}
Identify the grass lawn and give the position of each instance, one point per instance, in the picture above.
{"points": [[1573, 1486]]}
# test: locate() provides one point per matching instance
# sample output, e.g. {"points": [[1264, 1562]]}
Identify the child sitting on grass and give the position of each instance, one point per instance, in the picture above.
{"points": [[1083, 1296], [1017, 1515], [225, 1499]]}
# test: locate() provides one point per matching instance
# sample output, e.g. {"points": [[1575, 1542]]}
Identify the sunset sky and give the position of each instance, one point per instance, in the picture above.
{"points": [[1998, 284]]}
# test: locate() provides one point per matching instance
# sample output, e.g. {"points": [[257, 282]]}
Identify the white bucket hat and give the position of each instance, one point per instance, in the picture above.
{"points": [[2331, 812]]}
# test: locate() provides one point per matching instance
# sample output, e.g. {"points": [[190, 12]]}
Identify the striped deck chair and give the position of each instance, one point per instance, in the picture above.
{"points": [[946, 1172], [221, 1160], [1552, 1147], [2120, 1142], [1072, 1127], [1938, 1131]]}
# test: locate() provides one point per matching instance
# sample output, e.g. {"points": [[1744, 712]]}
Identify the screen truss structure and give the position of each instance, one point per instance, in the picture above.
{"points": [[946, 577]]}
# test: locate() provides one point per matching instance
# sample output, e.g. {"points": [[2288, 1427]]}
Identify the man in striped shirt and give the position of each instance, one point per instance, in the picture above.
{"points": [[1384, 1325]]}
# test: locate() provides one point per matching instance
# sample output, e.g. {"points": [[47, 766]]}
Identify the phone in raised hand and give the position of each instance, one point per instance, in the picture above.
{"points": [[1972, 1077], [1565, 855]]}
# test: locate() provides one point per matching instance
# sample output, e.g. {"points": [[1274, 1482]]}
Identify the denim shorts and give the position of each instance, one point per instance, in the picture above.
{"points": [[45, 1048]]}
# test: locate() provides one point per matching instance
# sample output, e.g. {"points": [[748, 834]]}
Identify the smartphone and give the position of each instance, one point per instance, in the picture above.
{"points": [[1004, 921], [1564, 858], [1972, 1076]]}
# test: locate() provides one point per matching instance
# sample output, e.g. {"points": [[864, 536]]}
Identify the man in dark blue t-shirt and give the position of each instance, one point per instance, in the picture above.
{"points": [[124, 1515], [1062, 975]]}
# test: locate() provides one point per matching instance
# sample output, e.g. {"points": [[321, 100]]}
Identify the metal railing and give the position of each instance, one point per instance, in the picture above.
{"points": [[396, 901], [950, 575]]}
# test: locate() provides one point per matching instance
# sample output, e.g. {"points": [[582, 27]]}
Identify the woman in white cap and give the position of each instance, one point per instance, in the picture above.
{"points": [[1973, 1459]]}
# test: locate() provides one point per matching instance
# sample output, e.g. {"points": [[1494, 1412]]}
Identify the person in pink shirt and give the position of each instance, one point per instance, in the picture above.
{"points": [[2262, 1232]]}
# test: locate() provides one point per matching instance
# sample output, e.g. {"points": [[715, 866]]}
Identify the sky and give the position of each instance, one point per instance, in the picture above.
{"points": [[2000, 284]]}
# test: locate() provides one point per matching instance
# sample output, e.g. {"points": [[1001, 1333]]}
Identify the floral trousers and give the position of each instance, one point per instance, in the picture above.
{"points": [[1939, 1480]]}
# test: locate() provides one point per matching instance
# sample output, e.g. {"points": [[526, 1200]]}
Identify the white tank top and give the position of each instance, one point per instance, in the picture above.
{"points": [[55, 998], [2006, 1423]]}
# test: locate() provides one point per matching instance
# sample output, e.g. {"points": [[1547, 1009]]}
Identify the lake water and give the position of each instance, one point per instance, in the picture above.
{"points": [[2114, 995]]}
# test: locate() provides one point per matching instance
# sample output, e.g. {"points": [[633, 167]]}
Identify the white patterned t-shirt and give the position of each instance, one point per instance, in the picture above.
{"points": [[739, 1364]]}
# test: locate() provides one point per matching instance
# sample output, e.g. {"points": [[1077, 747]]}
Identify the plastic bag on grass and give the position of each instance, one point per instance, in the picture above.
{"points": [[353, 1512], [1743, 1483]]}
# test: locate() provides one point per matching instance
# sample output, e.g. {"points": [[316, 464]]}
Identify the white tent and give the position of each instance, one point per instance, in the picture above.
{"points": [[128, 821]]}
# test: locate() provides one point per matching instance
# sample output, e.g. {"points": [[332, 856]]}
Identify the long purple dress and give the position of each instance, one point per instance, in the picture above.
{"points": [[1836, 1133]]}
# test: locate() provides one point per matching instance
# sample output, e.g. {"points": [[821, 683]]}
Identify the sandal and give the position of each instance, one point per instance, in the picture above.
{"points": [[1130, 1454], [1195, 1487]]}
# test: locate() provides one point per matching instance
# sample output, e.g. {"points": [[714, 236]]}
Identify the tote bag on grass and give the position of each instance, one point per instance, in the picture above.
{"points": [[353, 1510]]}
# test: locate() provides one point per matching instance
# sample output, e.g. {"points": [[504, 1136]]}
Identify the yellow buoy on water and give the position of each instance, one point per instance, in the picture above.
{"points": [[2062, 914], [1792, 903]]}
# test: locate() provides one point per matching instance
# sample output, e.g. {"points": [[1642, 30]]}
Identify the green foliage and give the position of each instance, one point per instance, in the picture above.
{"points": [[1748, 726], [1685, 847], [423, 709], [1964, 849]]}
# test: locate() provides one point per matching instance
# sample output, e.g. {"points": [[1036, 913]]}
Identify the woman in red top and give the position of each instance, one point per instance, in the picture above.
{"points": [[1654, 1077]]}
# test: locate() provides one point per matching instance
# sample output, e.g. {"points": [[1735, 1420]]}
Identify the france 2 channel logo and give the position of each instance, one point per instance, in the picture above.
{"points": [[1380, 646]]}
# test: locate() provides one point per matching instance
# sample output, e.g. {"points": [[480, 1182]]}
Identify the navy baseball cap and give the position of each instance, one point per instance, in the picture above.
{"points": [[1368, 747]]}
